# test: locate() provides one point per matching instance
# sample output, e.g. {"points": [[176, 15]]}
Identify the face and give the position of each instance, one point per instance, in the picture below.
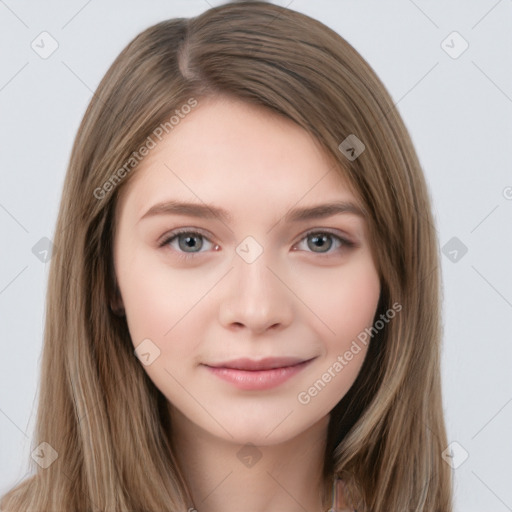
{"points": [[267, 280]]}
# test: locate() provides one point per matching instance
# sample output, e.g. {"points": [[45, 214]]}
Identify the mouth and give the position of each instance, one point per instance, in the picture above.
{"points": [[247, 374], [268, 363]]}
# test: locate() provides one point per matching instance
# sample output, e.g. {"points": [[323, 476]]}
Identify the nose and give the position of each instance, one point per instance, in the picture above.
{"points": [[255, 297]]}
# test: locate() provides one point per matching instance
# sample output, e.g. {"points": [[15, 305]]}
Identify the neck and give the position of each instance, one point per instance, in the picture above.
{"points": [[223, 476]]}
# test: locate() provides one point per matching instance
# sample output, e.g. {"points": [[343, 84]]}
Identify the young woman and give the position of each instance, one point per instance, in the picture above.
{"points": [[243, 310]]}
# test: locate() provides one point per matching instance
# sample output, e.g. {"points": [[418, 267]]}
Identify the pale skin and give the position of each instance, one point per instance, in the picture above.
{"points": [[302, 297]]}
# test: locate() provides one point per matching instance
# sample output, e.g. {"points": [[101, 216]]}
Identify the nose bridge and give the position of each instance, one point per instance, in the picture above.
{"points": [[253, 276]]}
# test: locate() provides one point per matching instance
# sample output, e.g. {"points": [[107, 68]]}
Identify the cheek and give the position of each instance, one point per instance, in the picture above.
{"points": [[346, 301], [159, 303]]}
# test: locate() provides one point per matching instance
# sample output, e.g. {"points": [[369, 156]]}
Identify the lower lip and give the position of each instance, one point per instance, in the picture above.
{"points": [[258, 379]]}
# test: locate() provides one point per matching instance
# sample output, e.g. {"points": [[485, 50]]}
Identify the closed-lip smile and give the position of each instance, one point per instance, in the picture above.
{"points": [[258, 375], [267, 363]]}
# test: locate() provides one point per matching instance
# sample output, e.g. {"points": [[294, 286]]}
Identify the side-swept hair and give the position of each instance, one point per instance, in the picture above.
{"points": [[97, 407]]}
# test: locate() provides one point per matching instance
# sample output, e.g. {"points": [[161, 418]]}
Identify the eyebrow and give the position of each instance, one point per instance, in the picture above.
{"points": [[213, 212]]}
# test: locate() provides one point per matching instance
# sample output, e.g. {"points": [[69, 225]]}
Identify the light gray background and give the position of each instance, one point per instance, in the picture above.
{"points": [[458, 111]]}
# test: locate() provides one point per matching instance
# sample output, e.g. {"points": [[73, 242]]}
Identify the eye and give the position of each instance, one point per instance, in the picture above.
{"points": [[188, 244], [317, 241], [322, 242]]}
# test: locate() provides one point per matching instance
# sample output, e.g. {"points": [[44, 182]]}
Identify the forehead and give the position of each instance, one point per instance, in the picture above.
{"points": [[233, 153]]}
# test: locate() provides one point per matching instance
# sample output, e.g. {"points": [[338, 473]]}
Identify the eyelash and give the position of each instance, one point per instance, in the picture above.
{"points": [[347, 244]]}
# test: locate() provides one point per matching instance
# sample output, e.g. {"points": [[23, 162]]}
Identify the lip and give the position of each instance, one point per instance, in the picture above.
{"points": [[264, 374], [268, 363]]}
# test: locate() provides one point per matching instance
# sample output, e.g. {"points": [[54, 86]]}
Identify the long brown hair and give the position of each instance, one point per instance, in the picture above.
{"points": [[98, 409]]}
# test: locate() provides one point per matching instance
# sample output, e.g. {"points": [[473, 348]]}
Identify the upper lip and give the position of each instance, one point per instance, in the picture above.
{"points": [[260, 364]]}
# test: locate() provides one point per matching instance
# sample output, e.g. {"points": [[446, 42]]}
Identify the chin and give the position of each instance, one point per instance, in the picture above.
{"points": [[276, 430]]}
